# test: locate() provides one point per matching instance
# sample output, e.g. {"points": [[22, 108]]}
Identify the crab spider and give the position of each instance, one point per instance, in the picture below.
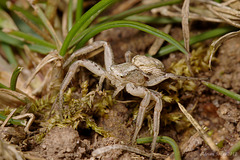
{"points": [[135, 75]]}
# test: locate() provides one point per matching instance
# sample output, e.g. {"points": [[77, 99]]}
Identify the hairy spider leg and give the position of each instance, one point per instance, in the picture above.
{"points": [[156, 118], [90, 65], [141, 112], [147, 96], [128, 56], [164, 76], [108, 54]]}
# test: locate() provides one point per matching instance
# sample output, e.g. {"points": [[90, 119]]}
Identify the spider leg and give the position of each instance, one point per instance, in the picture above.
{"points": [[100, 83], [90, 65], [158, 79], [174, 76], [128, 56], [108, 54], [139, 92], [140, 117], [118, 89], [147, 96], [156, 118]]}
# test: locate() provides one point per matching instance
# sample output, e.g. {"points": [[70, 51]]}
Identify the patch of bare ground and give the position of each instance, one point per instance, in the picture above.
{"points": [[217, 112]]}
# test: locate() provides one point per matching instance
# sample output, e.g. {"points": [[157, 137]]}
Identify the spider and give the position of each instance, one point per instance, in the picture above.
{"points": [[135, 75]]}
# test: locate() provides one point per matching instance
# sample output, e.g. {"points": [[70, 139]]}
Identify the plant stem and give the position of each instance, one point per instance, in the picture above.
{"points": [[163, 139]]}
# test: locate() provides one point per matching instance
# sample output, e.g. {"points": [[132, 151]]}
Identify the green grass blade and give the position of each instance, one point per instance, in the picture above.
{"points": [[70, 15], [144, 19], [141, 9], [3, 86], [17, 43], [32, 39], [79, 36], [30, 16], [143, 27], [195, 39], [9, 54], [48, 25], [10, 40], [13, 82], [163, 139], [153, 20], [222, 90], [39, 48], [84, 22], [79, 10], [13, 121]]}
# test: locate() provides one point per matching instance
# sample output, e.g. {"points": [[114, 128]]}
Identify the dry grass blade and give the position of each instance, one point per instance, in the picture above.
{"points": [[199, 129], [8, 117], [125, 6], [12, 98], [192, 143], [185, 30], [64, 23], [216, 44], [229, 2], [105, 149], [224, 7], [40, 88], [195, 14], [224, 12], [199, 10], [185, 24], [33, 26], [47, 24], [229, 12], [49, 58], [9, 152], [223, 17], [159, 41]]}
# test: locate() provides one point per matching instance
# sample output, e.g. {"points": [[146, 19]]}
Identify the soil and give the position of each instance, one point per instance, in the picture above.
{"points": [[220, 114]]}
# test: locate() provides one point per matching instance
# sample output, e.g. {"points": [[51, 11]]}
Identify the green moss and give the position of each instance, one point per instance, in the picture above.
{"points": [[78, 108]]}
